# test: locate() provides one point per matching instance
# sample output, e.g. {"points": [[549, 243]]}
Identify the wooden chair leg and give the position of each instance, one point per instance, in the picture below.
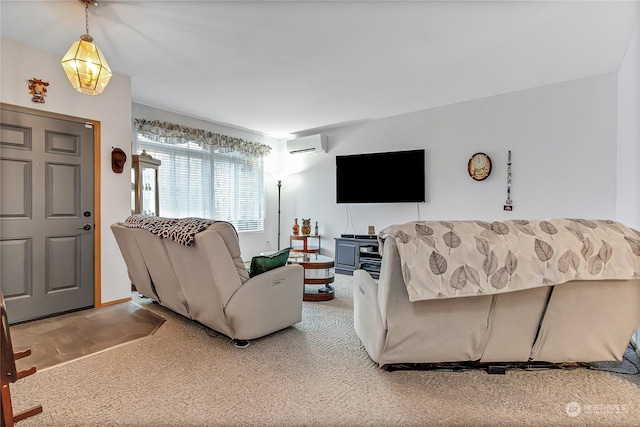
{"points": [[20, 354], [28, 413], [7, 408], [9, 374], [8, 417], [26, 372]]}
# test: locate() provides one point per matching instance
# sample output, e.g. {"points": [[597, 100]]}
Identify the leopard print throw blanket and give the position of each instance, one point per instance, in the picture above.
{"points": [[180, 230]]}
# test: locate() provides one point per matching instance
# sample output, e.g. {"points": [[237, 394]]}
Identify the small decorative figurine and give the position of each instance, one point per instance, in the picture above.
{"points": [[316, 233], [296, 227], [306, 226]]}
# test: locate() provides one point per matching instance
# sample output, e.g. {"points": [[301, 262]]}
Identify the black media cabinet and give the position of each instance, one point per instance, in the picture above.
{"points": [[358, 252]]}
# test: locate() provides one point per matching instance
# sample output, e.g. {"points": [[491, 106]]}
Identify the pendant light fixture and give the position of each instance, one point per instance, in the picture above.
{"points": [[84, 63]]}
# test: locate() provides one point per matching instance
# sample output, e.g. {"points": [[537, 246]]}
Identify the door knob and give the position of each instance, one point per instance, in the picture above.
{"points": [[85, 227]]}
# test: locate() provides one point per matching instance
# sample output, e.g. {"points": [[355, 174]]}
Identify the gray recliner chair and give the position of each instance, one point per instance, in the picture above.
{"points": [[209, 283]]}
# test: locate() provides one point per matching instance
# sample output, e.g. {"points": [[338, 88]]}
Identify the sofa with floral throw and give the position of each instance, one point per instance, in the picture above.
{"points": [[552, 291]]}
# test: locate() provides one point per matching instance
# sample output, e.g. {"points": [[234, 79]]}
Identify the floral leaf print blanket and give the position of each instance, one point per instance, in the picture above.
{"points": [[446, 259]]}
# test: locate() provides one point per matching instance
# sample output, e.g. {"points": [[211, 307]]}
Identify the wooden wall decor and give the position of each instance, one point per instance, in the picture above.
{"points": [[38, 90]]}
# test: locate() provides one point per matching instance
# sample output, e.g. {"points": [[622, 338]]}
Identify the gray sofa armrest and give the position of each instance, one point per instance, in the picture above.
{"points": [[266, 303]]}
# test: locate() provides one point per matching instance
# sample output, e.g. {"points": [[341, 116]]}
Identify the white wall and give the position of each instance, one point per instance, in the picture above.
{"points": [[628, 196], [251, 243], [562, 137], [20, 63], [628, 180], [563, 143]]}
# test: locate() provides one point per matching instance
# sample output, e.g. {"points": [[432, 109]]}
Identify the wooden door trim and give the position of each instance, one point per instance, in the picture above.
{"points": [[97, 234]]}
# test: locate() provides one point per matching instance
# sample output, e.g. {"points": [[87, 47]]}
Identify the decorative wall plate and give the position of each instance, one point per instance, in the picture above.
{"points": [[479, 166]]}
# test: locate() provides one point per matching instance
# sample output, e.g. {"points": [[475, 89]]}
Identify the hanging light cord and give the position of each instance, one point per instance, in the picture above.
{"points": [[86, 16], [86, 13]]}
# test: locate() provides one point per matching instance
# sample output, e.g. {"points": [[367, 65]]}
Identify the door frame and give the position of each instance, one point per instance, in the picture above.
{"points": [[97, 234]]}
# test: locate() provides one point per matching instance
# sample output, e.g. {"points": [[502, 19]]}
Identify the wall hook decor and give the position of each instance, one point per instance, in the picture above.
{"points": [[38, 90], [118, 159], [508, 204]]}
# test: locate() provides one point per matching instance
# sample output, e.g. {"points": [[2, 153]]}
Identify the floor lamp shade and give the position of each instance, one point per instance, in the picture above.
{"points": [[86, 67]]}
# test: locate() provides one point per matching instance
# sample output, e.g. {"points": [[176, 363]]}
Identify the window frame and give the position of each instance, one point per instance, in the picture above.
{"points": [[235, 162]]}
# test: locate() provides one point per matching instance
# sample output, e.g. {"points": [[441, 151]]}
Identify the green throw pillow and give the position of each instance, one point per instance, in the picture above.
{"points": [[263, 263]]}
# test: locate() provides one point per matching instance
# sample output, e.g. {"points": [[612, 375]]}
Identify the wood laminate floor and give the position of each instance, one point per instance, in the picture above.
{"points": [[66, 337]]}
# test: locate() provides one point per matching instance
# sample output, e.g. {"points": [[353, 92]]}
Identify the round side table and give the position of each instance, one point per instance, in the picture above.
{"points": [[317, 275]]}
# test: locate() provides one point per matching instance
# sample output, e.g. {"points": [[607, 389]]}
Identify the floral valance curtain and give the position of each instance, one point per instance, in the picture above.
{"points": [[170, 133]]}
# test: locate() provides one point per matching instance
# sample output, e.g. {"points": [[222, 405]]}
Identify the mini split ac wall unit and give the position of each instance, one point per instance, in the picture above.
{"points": [[308, 144]]}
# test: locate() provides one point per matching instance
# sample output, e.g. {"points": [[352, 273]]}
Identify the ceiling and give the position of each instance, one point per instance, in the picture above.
{"points": [[296, 67]]}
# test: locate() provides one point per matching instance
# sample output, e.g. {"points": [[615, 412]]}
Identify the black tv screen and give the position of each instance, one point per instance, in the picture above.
{"points": [[390, 177]]}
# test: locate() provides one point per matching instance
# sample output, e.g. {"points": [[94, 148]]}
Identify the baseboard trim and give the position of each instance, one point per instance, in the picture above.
{"points": [[104, 304]]}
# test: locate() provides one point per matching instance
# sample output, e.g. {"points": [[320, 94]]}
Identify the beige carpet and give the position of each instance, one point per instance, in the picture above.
{"points": [[315, 373]]}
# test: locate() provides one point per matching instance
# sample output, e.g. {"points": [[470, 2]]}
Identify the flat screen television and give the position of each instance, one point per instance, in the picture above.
{"points": [[389, 177]]}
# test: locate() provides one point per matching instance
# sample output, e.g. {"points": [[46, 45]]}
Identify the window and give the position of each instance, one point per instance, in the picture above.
{"points": [[199, 181]]}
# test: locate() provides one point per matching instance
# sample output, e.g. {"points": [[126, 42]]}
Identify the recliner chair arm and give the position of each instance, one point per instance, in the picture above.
{"points": [[265, 303]]}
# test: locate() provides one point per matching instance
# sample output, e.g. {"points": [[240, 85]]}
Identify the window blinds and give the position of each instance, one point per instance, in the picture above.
{"points": [[197, 181]]}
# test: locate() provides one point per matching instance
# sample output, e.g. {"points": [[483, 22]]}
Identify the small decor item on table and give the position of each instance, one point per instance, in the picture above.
{"points": [[372, 230], [306, 226], [296, 227], [316, 231]]}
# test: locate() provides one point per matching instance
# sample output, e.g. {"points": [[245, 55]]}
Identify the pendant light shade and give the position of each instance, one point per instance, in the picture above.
{"points": [[84, 63]]}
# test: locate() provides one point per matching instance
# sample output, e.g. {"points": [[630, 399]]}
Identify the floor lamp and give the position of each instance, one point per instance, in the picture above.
{"points": [[279, 186]]}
